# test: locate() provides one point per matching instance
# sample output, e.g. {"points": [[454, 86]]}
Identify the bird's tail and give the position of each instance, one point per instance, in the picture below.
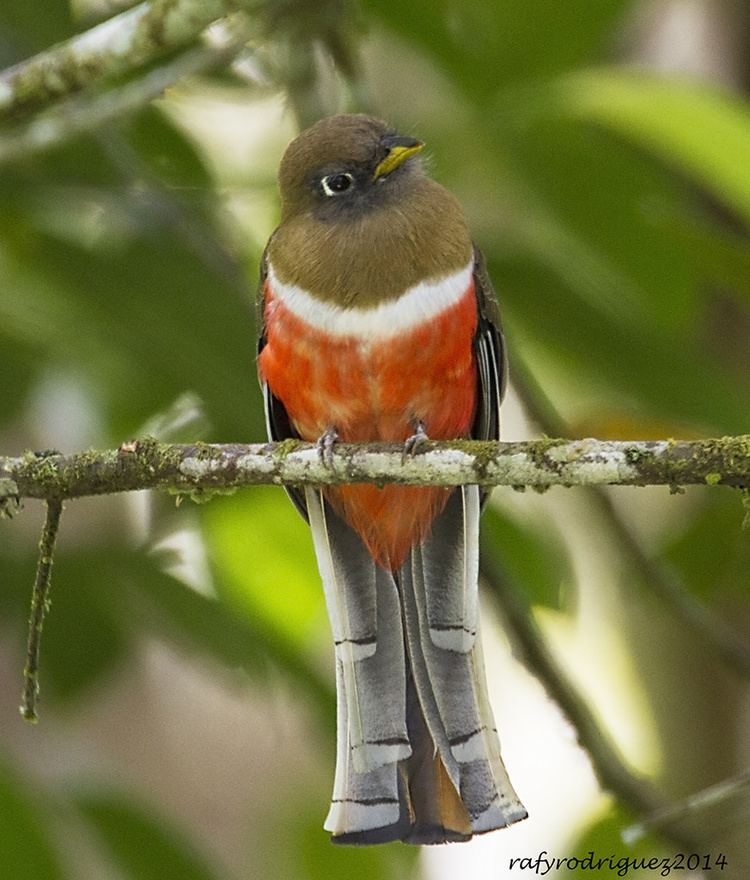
{"points": [[418, 757]]}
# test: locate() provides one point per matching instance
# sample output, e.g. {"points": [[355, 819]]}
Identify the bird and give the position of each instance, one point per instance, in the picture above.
{"points": [[377, 321]]}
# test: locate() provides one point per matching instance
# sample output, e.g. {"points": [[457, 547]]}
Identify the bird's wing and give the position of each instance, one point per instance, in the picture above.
{"points": [[278, 423], [492, 361], [451, 563]]}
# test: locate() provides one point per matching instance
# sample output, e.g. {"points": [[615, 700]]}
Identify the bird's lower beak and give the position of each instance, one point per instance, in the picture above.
{"points": [[399, 150]]}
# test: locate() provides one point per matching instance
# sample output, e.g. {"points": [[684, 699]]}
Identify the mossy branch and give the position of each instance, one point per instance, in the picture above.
{"points": [[121, 44], [539, 464], [66, 119]]}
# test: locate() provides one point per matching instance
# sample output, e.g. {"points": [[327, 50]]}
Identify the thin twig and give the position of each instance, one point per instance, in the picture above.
{"points": [[39, 606]]}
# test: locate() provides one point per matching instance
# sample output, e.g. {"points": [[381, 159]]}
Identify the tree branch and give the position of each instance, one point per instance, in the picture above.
{"points": [[114, 47], [147, 464], [74, 116]]}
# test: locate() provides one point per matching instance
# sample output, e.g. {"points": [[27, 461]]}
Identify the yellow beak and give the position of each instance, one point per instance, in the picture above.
{"points": [[399, 150]]}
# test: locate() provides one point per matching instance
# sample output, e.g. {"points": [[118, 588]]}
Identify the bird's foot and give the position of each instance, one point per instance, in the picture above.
{"points": [[325, 444], [412, 444]]}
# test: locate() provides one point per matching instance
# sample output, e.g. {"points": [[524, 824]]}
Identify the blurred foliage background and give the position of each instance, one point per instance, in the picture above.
{"points": [[602, 153]]}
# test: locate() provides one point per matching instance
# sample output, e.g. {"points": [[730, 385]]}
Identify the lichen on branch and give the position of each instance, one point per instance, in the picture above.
{"points": [[116, 46], [539, 464]]}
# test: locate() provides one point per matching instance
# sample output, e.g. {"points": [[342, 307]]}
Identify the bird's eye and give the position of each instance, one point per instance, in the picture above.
{"points": [[335, 184]]}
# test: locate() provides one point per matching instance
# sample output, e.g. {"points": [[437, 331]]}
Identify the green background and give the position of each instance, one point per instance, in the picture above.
{"points": [[187, 708]]}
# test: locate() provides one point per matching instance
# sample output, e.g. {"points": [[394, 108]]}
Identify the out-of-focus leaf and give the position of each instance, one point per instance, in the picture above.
{"points": [[16, 374], [15, 595], [102, 598], [303, 850], [83, 635], [318, 858], [262, 552], [602, 839], [113, 263], [593, 215], [724, 256], [692, 127], [147, 311], [665, 378], [166, 150], [712, 554], [536, 560], [604, 264], [24, 31], [487, 46], [143, 845], [172, 610], [25, 851]]}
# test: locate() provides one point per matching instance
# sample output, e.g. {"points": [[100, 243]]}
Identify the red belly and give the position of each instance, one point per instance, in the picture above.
{"points": [[377, 390]]}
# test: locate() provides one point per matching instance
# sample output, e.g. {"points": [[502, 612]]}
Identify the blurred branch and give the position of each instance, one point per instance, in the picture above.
{"points": [[77, 115], [613, 774], [655, 574], [112, 48], [697, 806], [147, 464]]}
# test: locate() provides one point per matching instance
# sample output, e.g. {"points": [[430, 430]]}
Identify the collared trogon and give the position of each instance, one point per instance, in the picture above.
{"points": [[377, 321]]}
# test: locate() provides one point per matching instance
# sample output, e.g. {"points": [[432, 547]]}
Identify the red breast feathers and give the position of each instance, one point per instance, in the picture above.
{"points": [[369, 311]]}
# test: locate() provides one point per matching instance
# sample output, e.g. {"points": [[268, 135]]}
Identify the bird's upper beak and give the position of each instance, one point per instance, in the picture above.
{"points": [[399, 148]]}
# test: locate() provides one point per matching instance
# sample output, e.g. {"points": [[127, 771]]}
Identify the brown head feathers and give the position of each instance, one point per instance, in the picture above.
{"points": [[360, 221]]}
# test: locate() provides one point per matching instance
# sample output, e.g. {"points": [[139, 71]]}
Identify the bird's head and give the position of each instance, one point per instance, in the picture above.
{"points": [[345, 166]]}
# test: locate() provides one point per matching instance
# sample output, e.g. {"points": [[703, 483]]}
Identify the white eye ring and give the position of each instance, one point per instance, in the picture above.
{"points": [[336, 184]]}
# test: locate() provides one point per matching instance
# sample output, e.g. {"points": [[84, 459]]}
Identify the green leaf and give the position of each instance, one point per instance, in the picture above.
{"points": [[16, 375], [84, 638], [591, 209], [24, 31], [712, 552], [85, 633], [262, 551], [25, 850], [602, 839], [303, 850], [142, 844], [113, 264], [487, 46], [319, 858], [165, 149], [694, 128], [174, 611], [640, 369], [148, 309], [534, 556], [723, 254]]}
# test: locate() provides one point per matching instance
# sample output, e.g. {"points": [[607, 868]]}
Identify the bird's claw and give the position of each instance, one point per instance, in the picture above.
{"points": [[412, 444], [325, 444]]}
